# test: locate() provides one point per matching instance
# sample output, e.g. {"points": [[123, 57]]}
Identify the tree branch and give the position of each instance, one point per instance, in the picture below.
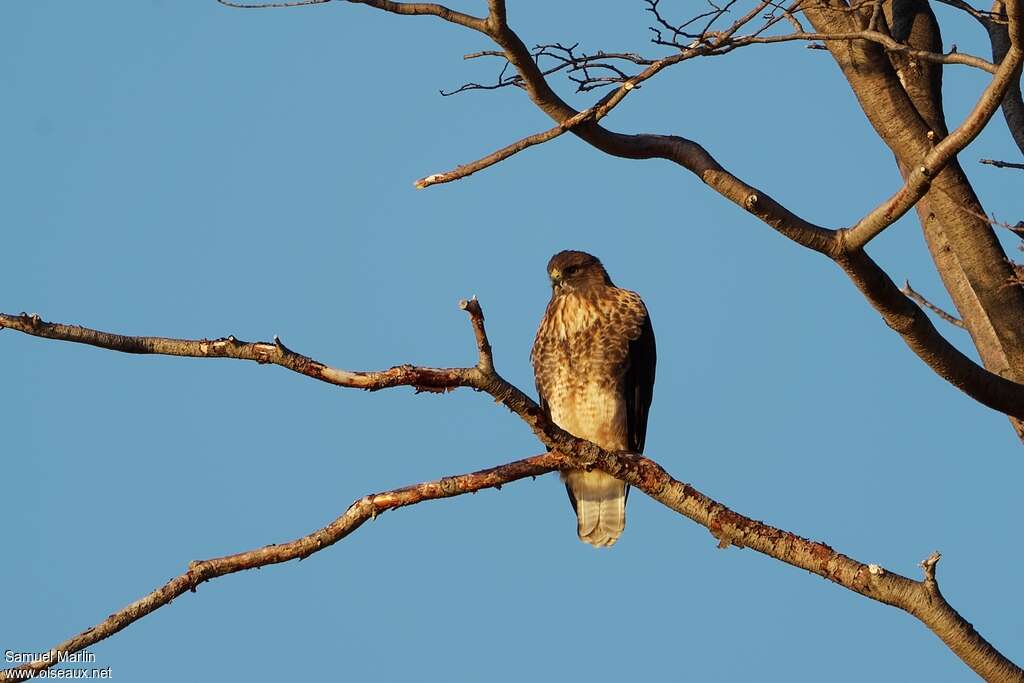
{"points": [[591, 114], [921, 301], [1013, 104], [919, 178], [903, 102], [427, 9], [882, 39], [1000, 164], [271, 5], [367, 507], [919, 598]]}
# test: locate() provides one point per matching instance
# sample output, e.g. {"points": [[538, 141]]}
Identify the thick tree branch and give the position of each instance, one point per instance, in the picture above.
{"points": [[1013, 104], [918, 332], [919, 178], [903, 102], [922, 599]]}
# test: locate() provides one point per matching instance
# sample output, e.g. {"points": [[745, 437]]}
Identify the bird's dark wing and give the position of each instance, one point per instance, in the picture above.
{"points": [[639, 385]]}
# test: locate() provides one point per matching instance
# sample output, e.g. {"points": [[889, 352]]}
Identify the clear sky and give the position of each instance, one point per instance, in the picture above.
{"points": [[178, 168]]}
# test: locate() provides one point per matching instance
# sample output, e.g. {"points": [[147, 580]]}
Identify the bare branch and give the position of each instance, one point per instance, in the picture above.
{"points": [[920, 599], [427, 9], [1000, 164], [271, 5], [918, 180], [422, 379], [367, 507], [566, 60], [981, 15], [891, 45], [1013, 104], [599, 110], [485, 363], [500, 155], [921, 301], [928, 565]]}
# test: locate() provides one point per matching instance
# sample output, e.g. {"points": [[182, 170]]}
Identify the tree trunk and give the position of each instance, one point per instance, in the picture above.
{"points": [[902, 99]]}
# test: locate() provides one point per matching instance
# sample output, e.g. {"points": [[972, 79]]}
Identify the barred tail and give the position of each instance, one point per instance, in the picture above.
{"points": [[600, 503]]}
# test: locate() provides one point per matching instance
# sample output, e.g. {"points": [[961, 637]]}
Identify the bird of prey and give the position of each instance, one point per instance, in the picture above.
{"points": [[593, 360]]}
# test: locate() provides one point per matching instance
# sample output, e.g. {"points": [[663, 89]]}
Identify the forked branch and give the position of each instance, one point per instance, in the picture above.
{"points": [[919, 598]]}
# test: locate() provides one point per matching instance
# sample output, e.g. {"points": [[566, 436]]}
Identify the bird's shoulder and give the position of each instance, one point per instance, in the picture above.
{"points": [[606, 318]]}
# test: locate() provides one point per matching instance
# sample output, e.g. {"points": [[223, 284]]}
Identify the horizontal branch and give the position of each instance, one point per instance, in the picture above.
{"points": [[275, 353], [1000, 164], [919, 598], [271, 5], [886, 41]]}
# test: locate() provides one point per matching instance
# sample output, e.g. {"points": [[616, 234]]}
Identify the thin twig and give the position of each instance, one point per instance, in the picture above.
{"points": [[921, 301], [509, 150], [1001, 164]]}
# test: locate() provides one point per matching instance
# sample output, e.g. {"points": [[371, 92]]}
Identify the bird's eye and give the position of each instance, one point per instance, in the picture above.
{"points": [[571, 270]]}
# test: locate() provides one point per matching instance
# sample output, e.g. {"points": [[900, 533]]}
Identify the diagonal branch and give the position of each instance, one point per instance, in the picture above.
{"points": [[427, 9], [919, 598], [591, 114], [995, 23], [367, 507], [921, 301]]}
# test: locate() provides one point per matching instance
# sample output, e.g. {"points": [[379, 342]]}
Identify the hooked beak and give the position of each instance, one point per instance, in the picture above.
{"points": [[556, 278]]}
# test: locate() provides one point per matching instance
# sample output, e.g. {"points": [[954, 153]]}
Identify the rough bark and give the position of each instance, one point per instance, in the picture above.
{"points": [[1013, 103], [902, 99]]}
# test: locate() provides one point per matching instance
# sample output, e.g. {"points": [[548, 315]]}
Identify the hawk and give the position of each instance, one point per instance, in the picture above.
{"points": [[593, 360]]}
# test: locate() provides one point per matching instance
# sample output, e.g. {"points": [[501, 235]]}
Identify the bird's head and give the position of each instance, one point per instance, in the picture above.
{"points": [[576, 270]]}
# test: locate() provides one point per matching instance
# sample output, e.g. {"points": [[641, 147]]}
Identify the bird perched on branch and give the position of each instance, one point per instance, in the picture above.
{"points": [[593, 360]]}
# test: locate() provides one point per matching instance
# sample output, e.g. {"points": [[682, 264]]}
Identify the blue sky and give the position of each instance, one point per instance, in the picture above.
{"points": [[182, 169]]}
